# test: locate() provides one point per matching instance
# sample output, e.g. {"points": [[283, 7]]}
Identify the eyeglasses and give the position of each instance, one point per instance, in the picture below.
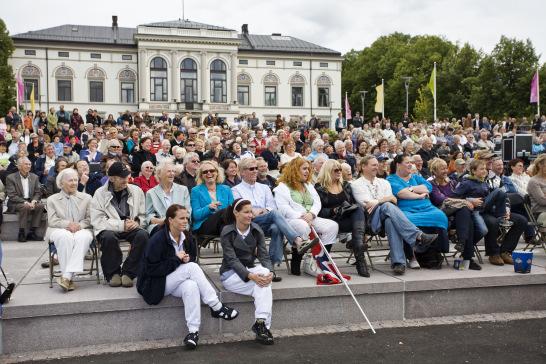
{"points": [[252, 169], [209, 171], [115, 146], [252, 146], [337, 170], [196, 161], [190, 145], [149, 167]]}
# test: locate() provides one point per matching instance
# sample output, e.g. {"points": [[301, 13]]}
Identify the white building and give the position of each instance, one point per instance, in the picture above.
{"points": [[178, 66]]}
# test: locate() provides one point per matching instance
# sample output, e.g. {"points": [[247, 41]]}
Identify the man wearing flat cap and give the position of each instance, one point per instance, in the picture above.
{"points": [[118, 213]]}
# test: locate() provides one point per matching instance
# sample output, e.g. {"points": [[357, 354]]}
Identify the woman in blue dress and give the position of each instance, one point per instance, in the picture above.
{"points": [[412, 192]]}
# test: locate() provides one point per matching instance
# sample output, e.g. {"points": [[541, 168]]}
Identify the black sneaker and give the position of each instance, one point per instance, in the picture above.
{"points": [[399, 269], [474, 266], [263, 335], [276, 278], [226, 313], [22, 237], [191, 340]]}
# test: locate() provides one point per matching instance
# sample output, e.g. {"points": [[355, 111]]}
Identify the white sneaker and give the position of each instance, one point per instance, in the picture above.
{"points": [[414, 264]]}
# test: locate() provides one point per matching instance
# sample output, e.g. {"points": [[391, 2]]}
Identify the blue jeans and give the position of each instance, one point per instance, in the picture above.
{"points": [[275, 225], [399, 230]]}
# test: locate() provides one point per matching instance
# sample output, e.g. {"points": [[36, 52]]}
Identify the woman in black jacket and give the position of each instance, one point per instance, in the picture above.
{"points": [[338, 204], [169, 268], [142, 155]]}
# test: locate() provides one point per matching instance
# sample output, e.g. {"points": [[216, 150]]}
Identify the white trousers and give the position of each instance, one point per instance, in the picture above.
{"points": [[326, 229], [189, 283], [263, 296], [71, 248]]}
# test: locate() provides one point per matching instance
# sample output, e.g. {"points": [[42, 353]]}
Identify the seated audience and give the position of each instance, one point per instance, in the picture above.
{"points": [[146, 180], [231, 171]]}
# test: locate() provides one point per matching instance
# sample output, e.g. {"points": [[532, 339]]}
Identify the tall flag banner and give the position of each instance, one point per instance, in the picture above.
{"points": [[20, 91], [380, 99], [432, 86], [348, 114], [32, 100], [535, 92]]}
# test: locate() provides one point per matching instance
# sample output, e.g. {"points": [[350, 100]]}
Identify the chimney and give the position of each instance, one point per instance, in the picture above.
{"points": [[114, 21], [244, 29], [115, 28]]}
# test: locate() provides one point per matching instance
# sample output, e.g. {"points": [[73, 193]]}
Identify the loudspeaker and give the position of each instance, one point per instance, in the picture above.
{"points": [[523, 145], [507, 149]]}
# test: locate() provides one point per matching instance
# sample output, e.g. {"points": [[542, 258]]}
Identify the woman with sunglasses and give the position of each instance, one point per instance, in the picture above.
{"points": [[146, 180], [208, 199]]}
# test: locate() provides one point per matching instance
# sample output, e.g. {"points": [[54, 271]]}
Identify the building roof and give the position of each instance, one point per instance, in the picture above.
{"points": [[185, 24], [81, 34], [280, 43]]}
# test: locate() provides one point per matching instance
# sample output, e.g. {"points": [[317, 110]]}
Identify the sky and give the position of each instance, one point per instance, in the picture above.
{"points": [[339, 25]]}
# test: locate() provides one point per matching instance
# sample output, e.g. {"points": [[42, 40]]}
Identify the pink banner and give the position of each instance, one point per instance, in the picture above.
{"points": [[348, 114], [20, 91], [534, 89]]}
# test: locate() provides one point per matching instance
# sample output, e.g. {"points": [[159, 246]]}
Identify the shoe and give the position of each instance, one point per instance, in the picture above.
{"points": [[507, 258], [295, 263], [33, 237], [496, 260], [474, 266], [506, 223], [115, 281], [263, 335], [426, 239], [226, 313], [71, 286], [46, 263], [361, 266], [414, 264], [64, 283], [191, 340], [276, 278], [126, 281], [306, 245], [399, 269], [22, 237]]}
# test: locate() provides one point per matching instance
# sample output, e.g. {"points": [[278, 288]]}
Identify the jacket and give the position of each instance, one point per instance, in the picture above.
{"points": [[290, 209], [327, 210], [157, 207], [158, 262], [349, 158], [140, 157], [472, 187], [85, 152], [57, 216], [200, 200], [186, 179], [241, 254], [104, 215], [14, 189]]}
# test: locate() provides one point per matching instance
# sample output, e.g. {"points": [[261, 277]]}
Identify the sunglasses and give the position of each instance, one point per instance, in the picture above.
{"points": [[252, 169], [209, 171], [190, 145], [337, 170], [196, 161], [115, 146]]}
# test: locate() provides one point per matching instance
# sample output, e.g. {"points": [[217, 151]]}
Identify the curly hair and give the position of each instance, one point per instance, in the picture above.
{"points": [[291, 175]]}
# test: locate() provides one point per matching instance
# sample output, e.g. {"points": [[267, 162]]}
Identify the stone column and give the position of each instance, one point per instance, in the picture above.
{"points": [[143, 79], [175, 78], [233, 96], [204, 78]]}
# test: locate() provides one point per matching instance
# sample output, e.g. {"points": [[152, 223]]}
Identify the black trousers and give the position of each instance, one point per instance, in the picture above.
{"points": [[511, 239], [467, 233], [213, 225], [111, 257]]}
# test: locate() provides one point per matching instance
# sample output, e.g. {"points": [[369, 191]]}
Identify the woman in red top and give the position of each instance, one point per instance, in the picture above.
{"points": [[146, 180]]}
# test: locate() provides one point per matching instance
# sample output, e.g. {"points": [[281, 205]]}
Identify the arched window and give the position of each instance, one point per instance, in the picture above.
{"points": [[96, 79], [323, 88], [271, 81], [64, 77], [188, 80], [158, 79], [31, 77], [218, 82], [297, 82], [243, 88], [127, 79]]}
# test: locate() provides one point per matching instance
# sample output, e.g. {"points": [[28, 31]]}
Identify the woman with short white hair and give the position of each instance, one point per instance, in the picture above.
{"points": [[318, 150], [69, 226], [165, 152]]}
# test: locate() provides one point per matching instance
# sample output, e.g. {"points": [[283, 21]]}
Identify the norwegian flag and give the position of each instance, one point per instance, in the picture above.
{"points": [[328, 275]]}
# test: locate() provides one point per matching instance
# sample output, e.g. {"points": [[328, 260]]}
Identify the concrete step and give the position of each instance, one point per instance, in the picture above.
{"points": [[10, 227]]}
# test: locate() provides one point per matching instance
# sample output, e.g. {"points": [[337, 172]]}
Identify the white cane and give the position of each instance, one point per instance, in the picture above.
{"points": [[342, 279]]}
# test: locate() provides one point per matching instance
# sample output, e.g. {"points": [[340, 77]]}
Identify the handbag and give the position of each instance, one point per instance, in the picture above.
{"points": [[345, 209], [310, 265], [452, 205]]}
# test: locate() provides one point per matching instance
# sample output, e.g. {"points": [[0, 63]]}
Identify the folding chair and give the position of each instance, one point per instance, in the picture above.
{"points": [[203, 241], [540, 229], [453, 238], [94, 262]]}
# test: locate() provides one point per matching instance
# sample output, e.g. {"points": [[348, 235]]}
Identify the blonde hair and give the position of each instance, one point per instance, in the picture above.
{"points": [[161, 166], [219, 172], [324, 177], [538, 164], [435, 164]]}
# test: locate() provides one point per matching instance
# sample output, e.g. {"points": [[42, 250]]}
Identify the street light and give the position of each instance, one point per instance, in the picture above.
{"points": [[363, 97], [407, 80]]}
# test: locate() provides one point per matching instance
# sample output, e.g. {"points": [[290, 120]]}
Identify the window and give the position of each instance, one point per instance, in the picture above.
{"points": [[243, 95], [63, 54], [28, 83], [297, 63], [64, 90], [127, 80], [243, 61], [323, 64], [270, 95], [95, 55], [30, 52], [158, 79], [126, 57], [323, 97], [218, 81], [297, 96], [270, 63], [96, 91], [188, 81]]}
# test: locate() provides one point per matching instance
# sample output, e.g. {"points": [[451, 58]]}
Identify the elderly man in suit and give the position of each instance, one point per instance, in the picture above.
{"points": [[117, 213], [24, 193], [69, 226]]}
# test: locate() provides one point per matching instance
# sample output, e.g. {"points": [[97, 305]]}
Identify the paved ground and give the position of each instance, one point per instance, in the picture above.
{"points": [[522, 341]]}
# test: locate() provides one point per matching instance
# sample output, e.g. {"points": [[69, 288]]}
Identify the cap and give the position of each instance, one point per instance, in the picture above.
{"points": [[460, 161], [118, 169], [381, 158], [484, 154], [67, 145]]}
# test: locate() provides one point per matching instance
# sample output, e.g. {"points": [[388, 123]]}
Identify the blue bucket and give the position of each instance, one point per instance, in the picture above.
{"points": [[522, 261]]}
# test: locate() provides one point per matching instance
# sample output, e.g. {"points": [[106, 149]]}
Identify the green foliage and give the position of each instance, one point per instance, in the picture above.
{"points": [[7, 81], [467, 80]]}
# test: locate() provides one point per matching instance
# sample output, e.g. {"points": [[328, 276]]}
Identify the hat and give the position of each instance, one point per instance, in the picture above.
{"points": [[118, 169], [67, 145], [381, 158], [484, 154], [459, 161]]}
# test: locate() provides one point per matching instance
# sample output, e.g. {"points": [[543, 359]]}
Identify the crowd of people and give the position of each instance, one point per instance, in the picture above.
{"points": [[161, 183]]}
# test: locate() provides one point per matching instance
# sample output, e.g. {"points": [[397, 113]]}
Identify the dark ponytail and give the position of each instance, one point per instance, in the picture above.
{"points": [[171, 213], [237, 205], [397, 160]]}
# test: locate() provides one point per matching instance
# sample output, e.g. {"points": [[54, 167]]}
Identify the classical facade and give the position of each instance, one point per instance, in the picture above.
{"points": [[178, 66]]}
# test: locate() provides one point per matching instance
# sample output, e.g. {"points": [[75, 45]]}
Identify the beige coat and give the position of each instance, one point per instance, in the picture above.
{"points": [[57, 211], [104, 215]]}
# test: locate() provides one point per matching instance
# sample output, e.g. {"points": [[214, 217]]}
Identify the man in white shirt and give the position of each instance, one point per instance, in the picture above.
{"points": [[375, 195], [264, 210]]}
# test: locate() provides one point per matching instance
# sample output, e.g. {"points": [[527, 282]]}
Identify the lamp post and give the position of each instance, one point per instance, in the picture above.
{"points": [[407, 80], [330, 122], [363, 98]]}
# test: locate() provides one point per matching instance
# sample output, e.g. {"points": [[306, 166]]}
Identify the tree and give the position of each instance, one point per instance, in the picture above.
{"points": [[7, 81]]}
